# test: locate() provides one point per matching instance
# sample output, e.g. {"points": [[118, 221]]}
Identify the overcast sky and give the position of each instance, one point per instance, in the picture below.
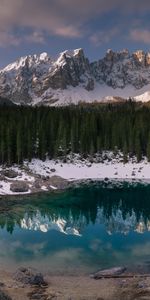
{"points": [[35, 26]]}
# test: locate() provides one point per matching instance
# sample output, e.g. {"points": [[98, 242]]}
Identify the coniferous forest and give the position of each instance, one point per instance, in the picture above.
{"points": [[40, 132]]}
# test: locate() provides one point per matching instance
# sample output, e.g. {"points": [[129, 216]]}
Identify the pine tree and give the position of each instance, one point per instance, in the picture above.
{"points": [[138, 148], [19, 158], [148, 148]]}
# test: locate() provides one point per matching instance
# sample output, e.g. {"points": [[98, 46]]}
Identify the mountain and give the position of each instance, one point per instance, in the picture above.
{"points": [[71, 77]]}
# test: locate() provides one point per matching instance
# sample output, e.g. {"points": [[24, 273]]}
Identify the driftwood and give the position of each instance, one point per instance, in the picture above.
{"points": [[117, 271], [122, 276]]}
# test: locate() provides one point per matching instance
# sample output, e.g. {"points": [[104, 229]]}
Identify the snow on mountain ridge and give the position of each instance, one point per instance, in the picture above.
{"points": [[42, 57], [70, 78], [145, 97]]}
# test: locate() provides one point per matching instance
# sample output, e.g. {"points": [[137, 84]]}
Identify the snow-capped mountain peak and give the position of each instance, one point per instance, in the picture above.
{"points": [[70, 78], [44, 56]]}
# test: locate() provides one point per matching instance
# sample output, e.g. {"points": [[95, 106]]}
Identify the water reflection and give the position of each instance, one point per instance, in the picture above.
{"points": [[118, 210], [45, 223], [82, 229]]}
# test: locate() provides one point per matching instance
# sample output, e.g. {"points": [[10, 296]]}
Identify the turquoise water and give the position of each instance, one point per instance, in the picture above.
{"points": [[78, 231]]}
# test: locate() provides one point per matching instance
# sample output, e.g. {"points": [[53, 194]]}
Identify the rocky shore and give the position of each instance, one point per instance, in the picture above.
{"points": [[28, 284], [20, 180], [55, 175]]}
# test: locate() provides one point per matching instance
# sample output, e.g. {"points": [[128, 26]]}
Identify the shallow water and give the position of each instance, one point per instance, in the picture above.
{"points": [[78, 231]]}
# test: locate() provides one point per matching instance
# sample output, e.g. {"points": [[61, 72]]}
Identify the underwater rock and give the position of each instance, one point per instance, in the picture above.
{"points": [[29, 276]]}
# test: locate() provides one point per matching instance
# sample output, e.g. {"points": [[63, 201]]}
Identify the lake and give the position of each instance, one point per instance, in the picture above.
{"points": [[78, 231]]}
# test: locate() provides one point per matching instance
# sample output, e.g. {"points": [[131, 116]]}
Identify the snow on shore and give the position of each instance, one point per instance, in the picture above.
{"points": [[6, 190], [85, 170], [74, 169], [5, 183]]}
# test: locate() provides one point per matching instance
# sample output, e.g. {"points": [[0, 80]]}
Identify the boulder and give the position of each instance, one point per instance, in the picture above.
{"points": [[19, 187], [9, 173], [4, 296], [29, 276], [53, 170], [37, 184], [58, 182]]}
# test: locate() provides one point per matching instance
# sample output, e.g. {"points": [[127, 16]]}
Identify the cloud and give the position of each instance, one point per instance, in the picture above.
{"points": [[35, 37], [62, 18], [50, 16], [140, 35], [68, 31], [9, 39], [103, 37]]}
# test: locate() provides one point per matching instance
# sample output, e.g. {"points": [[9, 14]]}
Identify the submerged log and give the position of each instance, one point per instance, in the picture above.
{"points": [[117, 272], [123, 276], [109, 273]]}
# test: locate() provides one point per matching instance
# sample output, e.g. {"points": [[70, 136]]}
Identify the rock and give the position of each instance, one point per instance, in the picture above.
{"points": [[4, 296], [29, 276], [2, 284], [37, 184], [10, 173], [106, 179], [109, 272], [58, 182], [19, 187], [44, 177], [142, 285], [53, 170], [89, 165]]}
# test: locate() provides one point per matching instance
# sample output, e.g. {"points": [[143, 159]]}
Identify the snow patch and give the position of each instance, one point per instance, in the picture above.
{"points": [[80, 170]]}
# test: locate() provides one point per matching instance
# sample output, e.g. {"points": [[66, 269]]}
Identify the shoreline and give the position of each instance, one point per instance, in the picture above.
{"points": [[105, 183], [51, 176], [76, 287]]}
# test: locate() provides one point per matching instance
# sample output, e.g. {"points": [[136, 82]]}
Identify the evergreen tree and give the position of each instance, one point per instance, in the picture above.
{"points": [[148, 148]]}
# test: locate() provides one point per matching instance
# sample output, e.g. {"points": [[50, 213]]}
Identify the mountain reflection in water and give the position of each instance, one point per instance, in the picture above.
{"points": [[81, 230], [119, 210]]}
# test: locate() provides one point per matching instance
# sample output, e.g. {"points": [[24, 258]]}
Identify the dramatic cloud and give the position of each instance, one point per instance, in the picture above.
{"points": [[50, 16], [139, 35], [62, 18]]}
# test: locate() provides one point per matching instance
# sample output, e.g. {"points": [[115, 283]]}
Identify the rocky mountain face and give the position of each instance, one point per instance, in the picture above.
{"points": [[70, 77], [119, 69]]}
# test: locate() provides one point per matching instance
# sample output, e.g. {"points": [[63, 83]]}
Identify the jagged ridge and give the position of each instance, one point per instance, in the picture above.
{"points": [[70, 77]]}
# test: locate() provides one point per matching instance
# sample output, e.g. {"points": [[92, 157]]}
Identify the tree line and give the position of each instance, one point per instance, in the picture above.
{"points": [[40, 132]]}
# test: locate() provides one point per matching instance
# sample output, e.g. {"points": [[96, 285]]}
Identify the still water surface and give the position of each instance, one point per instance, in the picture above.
{"points": [[78, 231]]}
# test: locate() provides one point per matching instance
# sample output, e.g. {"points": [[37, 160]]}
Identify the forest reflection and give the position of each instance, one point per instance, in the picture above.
{"points": [[120, 210]]}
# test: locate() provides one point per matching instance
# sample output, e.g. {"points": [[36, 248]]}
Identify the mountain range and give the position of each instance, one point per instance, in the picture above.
{"points": [[71, 78]]}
